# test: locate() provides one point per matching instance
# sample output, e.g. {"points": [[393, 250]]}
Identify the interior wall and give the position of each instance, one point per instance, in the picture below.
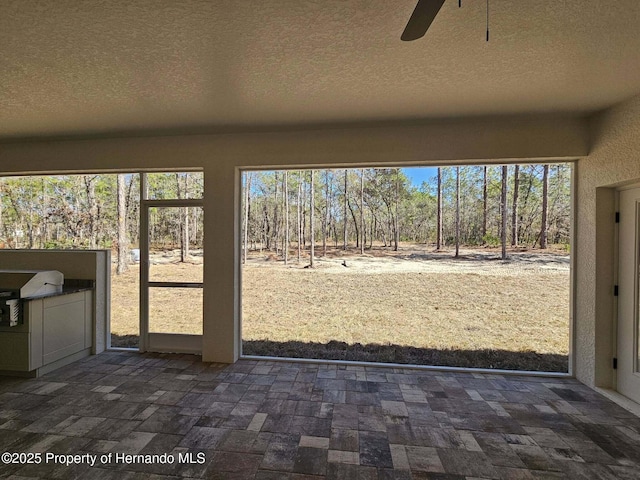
{"points": [[614, 160], [540, 138]]}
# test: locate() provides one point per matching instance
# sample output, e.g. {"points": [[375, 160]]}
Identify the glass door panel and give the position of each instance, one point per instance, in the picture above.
{"points": [[175, 244], [175, 310], [171, 275]]}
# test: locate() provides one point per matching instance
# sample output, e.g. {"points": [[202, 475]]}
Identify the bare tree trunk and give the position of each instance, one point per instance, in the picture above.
{"points": [[325, 220], [285, 189], [344, 227], [355, 224], [185, 231], [123, 243], [514, 213], [304, 210], [362, 211], [524, 201], [276, 223], [299, 217], [503, 211], [1, 197], [396, 220], [545, 206], [485, 198], [183, 218], [372, 229], [247, 199], [439, 213], [43, 213], [312, 208], [130, 201], [457, 212], [90, 190]]}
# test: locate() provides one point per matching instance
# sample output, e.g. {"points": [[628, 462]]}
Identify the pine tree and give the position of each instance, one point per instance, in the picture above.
{"points": [[123, 244], [514, 207], [503, 211], [545, 206]]}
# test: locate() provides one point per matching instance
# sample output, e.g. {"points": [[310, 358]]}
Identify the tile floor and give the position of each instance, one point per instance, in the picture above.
{"points": [[273, 420]]}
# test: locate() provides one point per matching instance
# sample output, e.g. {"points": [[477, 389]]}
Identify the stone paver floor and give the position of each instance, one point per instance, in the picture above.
{"points": [[278, 420]]}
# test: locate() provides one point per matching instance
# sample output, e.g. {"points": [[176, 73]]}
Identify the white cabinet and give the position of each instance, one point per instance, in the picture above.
{"points": [[57, 330]]}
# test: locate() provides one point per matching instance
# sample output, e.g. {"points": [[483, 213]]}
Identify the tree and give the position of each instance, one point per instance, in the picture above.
{"points": [[344, 215], [362, 210], [285, 187], [247, 201], [457, 211], [545, 206], [514, 207], [503, 211], [396, 237], [76, 211], [2, 243], [24, 212], [312, 207], [559, 216], [485, 198], [299, 211], [182, 190], [123, 243], [327, 207], [439, 214], [92, 210], [276, 222]]}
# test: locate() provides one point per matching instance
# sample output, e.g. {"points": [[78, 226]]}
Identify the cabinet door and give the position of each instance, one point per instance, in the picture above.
{"points": [[63, 326], [14, 351]]}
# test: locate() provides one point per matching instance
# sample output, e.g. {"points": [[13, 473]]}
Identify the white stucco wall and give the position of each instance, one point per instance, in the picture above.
{"points": [[614, 160], [541, 138]]}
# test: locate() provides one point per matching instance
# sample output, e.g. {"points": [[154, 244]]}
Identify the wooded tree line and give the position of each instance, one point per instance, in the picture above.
{"points": [[303, 209], [96, 211], [528, 205]]}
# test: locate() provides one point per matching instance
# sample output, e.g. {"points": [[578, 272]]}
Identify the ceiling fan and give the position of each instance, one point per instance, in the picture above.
{"points": [[421, 19], [423, 16]]}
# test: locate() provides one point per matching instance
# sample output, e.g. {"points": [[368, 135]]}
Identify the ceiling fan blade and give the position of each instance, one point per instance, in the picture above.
{"points": [[421, 18]]}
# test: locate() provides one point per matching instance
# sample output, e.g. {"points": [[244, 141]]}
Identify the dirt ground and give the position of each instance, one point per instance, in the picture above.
{"points": [[411, 306]]}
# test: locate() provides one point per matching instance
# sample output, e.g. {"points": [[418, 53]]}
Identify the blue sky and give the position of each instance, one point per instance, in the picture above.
{"points": [[417, 175]]}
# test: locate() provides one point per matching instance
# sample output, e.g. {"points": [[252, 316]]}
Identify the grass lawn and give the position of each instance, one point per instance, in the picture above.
{"points": [[412, 306]]}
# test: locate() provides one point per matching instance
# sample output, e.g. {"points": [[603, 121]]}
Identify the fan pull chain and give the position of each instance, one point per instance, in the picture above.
{"points": [[460, 6], [487, 20]]}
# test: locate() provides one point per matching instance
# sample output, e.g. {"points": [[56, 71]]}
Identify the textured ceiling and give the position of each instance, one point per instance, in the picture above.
{"points": [[70, 67]]}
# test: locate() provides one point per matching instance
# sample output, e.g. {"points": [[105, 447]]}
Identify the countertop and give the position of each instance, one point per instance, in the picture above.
{"points": [[70, 286]]}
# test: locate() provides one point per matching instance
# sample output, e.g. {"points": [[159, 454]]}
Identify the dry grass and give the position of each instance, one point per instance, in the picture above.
{"points": [[409, 307], [125, 299], [461, 311], [171, 310]]}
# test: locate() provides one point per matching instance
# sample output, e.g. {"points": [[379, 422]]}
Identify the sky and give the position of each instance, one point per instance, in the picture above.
{"points": [[417, 175]]}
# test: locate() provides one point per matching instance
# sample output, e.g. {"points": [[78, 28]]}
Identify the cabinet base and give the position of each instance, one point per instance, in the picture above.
{"points": [[49, 367]]}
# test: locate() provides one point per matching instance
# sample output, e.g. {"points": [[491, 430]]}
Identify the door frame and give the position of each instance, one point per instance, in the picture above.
{"points": [[635, 367], [150, 341]]}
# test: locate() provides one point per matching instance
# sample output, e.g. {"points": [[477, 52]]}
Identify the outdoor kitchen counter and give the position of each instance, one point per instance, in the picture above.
{"points": [[70, 286], [56, 329]]}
